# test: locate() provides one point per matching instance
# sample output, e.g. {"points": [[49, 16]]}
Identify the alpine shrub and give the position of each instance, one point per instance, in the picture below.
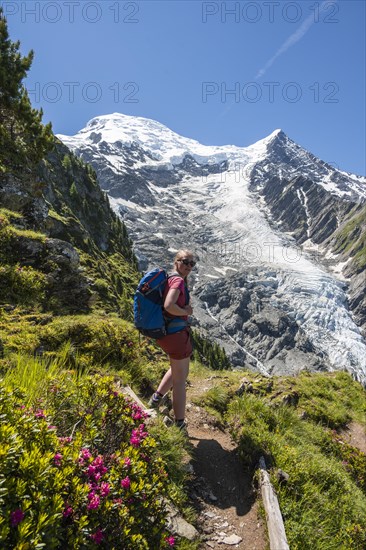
{"points": [[68, 484]]}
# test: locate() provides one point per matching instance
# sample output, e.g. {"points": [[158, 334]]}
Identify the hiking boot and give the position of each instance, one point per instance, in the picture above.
{"points": [[182, 426], [155, 401]]}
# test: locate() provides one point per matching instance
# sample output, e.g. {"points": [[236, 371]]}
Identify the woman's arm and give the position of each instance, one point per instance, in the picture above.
{"points": [[171, 306]]}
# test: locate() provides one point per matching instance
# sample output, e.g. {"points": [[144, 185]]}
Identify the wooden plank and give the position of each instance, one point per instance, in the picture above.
{"points": [[128, 391], [275, 526]]}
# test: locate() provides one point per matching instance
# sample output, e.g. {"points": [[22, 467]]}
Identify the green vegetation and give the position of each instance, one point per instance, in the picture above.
{"points": [[79, 468], [296, 423], [21, 284], [59, 405], [351, 237], [209, 353]]}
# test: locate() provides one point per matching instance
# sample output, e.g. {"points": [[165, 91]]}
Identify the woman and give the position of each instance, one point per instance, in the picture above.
{"points": [[177, 343]]}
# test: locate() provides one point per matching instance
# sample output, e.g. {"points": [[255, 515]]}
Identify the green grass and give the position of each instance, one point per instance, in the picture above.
{"points": [[324, 501], [351, 238], [32, 374]]}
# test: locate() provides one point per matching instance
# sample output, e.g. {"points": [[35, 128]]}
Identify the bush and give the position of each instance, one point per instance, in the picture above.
{"points": [[83, 473], [21, 285]]}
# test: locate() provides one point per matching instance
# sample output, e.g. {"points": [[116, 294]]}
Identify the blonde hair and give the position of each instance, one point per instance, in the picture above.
{"points": [[181, 254]]}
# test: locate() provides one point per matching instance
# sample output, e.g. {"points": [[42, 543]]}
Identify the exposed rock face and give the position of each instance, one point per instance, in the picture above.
{"points": [[25, 196], [260, 220], [47, 206], [314, 216], [259, 335]]}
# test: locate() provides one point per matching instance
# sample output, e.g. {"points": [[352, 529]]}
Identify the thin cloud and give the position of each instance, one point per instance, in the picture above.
{"points": [[295, 37]]}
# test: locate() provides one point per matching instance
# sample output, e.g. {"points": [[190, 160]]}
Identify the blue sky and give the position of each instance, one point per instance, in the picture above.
{"points": [[219, 72]]}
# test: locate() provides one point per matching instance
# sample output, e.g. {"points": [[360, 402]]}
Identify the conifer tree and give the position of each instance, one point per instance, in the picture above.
{"points": [[24, 140]]}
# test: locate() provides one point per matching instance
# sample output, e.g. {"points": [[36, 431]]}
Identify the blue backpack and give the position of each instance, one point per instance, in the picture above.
{"points": [[148, 306]]}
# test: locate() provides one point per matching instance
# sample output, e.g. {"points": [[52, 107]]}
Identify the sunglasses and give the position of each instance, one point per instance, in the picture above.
{"points": [[188, 262]]}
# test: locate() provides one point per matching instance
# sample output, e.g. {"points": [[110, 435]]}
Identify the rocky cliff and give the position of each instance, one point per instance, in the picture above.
{"points": [[62, 227]]}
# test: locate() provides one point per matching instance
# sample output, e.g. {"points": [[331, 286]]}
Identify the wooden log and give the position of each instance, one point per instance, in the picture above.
{"points": [[129, 391], [275, 526]]}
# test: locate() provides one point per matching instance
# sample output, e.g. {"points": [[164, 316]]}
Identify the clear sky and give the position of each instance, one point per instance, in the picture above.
{"points": [[219, 72]]}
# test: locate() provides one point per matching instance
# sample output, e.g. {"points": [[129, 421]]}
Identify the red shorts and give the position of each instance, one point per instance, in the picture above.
{"points": [[178, 345]]}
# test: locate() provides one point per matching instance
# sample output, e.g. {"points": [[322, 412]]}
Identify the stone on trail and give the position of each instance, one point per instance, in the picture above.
{"points": [[231, 540]]}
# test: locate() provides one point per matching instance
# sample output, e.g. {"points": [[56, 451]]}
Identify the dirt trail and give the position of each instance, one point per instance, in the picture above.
{"points": [[355, 435], [220, 490]]}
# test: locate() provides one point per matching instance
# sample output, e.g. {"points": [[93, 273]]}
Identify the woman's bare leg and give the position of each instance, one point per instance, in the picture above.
{"points": [[179, 371], [166, 382]]}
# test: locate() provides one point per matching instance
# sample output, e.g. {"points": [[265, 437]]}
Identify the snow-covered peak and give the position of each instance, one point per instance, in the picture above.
{"points": [[277, 153], [166, 146]]}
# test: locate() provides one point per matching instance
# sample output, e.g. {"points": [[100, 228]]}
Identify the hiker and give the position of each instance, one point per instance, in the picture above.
{"points": [[177, 343]]}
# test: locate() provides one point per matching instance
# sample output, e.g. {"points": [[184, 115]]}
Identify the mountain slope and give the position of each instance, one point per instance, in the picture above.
{"points": [[64, 228], [245, 211]]}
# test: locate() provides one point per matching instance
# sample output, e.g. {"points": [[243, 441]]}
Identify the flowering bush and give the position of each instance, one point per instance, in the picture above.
{"points": [[92, 479]]}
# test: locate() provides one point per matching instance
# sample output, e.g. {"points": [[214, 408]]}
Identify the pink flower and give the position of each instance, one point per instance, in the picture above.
{"points": [[135, 440], [138, 413], [57, 459], [16, 517], [126, 482], [98, 462], [104, 489], [138, 435], [94, 501], [96, 469], [52, 427], [127, 462], [40, 414], [67, 511], [64, 440], [91, 471], [85, 454], [170, 541], [98, 536]]}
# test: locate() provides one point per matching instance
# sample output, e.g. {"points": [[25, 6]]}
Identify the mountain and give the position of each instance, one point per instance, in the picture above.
{"points": [[271, 226]]}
